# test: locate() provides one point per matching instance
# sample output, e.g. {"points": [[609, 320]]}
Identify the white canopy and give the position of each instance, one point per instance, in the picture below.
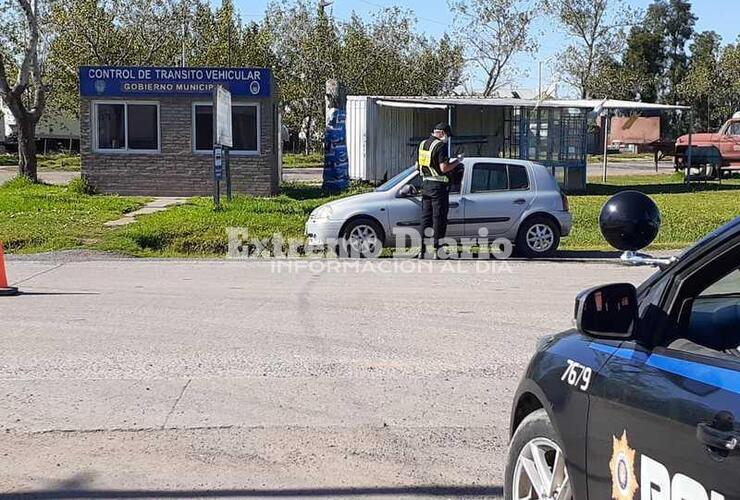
{"points": [[444, 102]]}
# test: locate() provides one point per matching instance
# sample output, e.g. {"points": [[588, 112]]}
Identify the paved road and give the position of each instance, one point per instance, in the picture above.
{"points": [[638, 167], [232, 379], [303, 174], [49, 176], [314, 175]]}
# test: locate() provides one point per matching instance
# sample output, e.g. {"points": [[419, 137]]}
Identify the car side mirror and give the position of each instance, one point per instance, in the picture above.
{"points": [[607, 312], [407, 191]]}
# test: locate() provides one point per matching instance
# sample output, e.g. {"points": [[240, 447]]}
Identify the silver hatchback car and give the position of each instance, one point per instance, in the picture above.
{"points": [[513, 199]]}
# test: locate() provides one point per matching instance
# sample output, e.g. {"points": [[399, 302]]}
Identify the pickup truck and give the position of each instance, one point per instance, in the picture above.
{"points": [[711, 153]]}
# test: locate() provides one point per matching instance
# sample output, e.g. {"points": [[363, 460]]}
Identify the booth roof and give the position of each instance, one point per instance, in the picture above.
{"points": [[444, 102]]}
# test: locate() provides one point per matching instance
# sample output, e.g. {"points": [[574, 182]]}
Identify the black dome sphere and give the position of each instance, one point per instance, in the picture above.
{"points": [[630, 220]]}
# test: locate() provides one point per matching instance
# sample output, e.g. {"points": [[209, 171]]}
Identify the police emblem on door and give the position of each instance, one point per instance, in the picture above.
{"points": [[622, 465]]}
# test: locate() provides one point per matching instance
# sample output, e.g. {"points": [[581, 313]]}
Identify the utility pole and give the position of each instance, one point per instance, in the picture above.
{"points": [[184, 33]]}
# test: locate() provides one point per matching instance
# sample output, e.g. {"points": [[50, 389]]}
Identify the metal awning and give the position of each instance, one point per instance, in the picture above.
{"points": [[445, 102]]}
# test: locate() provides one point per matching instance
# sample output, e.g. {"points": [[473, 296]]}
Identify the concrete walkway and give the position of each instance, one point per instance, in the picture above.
{"points": [[154, 206]]}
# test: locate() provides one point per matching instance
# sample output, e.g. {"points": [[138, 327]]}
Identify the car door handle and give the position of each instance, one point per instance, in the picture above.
{"points": [[454, 204], [720, 434], [520, 201]]}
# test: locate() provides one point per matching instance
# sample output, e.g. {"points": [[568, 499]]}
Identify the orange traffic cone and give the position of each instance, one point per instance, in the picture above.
{"points": [[5, 290]]}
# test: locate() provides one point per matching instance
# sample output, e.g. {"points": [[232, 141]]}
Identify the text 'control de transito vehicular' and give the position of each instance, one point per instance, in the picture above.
{"points": [[641, 399]]}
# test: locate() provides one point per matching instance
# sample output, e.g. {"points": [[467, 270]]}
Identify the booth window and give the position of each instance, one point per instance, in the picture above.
{"points": [[124, 126], [244, 128]]}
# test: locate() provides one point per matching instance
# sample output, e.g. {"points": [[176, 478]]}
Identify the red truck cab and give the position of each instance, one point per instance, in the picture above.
{"points": [[724, 144]]}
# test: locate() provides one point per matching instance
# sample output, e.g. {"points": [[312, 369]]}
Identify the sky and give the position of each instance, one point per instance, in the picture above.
{"points": [[434, 17]]}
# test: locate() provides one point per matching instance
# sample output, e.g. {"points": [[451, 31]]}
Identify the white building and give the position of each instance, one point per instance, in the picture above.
{"points": [[56, 128]]}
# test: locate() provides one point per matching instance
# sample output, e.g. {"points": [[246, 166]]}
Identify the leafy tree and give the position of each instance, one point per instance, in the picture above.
{"points": [[614, 80], [644, 59], [678, 27], [22, 78], [598, 30], [700, 86], [729, 74], [712, 83], [389, 45], [110, 33], [496, 31]]}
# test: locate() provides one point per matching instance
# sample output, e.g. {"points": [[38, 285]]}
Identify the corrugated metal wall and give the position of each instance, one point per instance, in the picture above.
{"points": [[382, 139], [357, 121], [391, 153]]}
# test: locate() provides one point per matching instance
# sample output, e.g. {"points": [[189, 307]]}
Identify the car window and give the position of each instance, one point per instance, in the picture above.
{"points": [[518, 177], [734, 129], [729, 285], [715, 317], [489, 177], [395, 181]]}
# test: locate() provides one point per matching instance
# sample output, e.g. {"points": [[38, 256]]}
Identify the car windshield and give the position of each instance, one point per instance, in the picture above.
{"points": [[395, 181]]}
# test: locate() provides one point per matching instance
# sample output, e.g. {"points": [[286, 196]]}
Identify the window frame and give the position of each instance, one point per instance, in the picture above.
{"points": [[232, 152], [507, 165], [686, 285], [126, 150]]}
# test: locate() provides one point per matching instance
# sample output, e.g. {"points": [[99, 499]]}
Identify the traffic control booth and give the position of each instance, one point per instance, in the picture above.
{"points": [[149, 130]]}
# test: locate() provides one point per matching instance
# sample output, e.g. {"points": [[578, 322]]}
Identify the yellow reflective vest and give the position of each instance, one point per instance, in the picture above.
{"points": [[427, 170]]}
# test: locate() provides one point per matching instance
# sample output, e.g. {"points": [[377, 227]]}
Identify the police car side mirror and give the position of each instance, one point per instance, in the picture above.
{"points": [[407, 191], [607, 312]]}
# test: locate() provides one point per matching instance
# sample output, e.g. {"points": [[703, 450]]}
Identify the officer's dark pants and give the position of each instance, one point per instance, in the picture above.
{"points": [[435, 204]]}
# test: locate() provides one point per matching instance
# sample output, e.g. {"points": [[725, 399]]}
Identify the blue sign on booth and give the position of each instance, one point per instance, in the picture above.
{"points": [[120, 81]]}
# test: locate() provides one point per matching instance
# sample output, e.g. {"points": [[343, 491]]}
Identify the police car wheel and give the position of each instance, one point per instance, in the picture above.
{"points": [[538, 237], [536, 467], [361, 238]]}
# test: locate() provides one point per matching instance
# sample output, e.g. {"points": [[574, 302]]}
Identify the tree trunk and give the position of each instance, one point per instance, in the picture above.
{"points": [[27, 150]]}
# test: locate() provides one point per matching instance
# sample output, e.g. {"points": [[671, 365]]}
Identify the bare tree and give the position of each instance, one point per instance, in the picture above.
{"points": [[598, 28], [495, 31], [26, 98]]}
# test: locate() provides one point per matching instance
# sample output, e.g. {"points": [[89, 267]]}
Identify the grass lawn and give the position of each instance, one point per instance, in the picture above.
{"points": [[196, 230], [37, 218], [688, 212], [60, 162], [298, 160]]}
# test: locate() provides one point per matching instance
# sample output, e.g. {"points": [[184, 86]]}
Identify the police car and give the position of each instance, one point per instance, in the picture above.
{"points": [[641, 399]]}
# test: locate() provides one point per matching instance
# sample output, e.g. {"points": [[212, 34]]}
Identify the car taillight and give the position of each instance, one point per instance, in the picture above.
{"points": [[566, 205]]}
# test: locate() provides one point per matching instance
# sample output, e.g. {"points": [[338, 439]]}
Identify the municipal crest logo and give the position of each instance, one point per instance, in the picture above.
{"points": [[622, 465], [254, 87], [99, 86]]}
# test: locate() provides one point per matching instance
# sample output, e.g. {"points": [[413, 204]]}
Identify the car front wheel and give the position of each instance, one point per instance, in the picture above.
{"points": [[538, 237], [362, 237], [536, 467]]}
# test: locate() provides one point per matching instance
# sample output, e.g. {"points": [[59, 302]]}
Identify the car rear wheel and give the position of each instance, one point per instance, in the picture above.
{"points": [[362, 237], [538, 237], [536, 467]]}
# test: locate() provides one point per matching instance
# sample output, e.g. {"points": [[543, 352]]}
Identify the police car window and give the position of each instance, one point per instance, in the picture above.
{"points": [[489, 177], [714, 324], [727, 286]]}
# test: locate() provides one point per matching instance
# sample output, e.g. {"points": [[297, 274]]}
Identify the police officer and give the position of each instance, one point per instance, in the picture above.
{"points": [[434, 167]]}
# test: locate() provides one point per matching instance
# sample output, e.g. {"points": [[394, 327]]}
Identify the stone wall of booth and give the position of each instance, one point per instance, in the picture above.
{"points": [[176, 170]]}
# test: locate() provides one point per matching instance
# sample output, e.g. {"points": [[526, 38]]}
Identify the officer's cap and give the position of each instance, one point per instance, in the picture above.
{"points": [[443, 127]]}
